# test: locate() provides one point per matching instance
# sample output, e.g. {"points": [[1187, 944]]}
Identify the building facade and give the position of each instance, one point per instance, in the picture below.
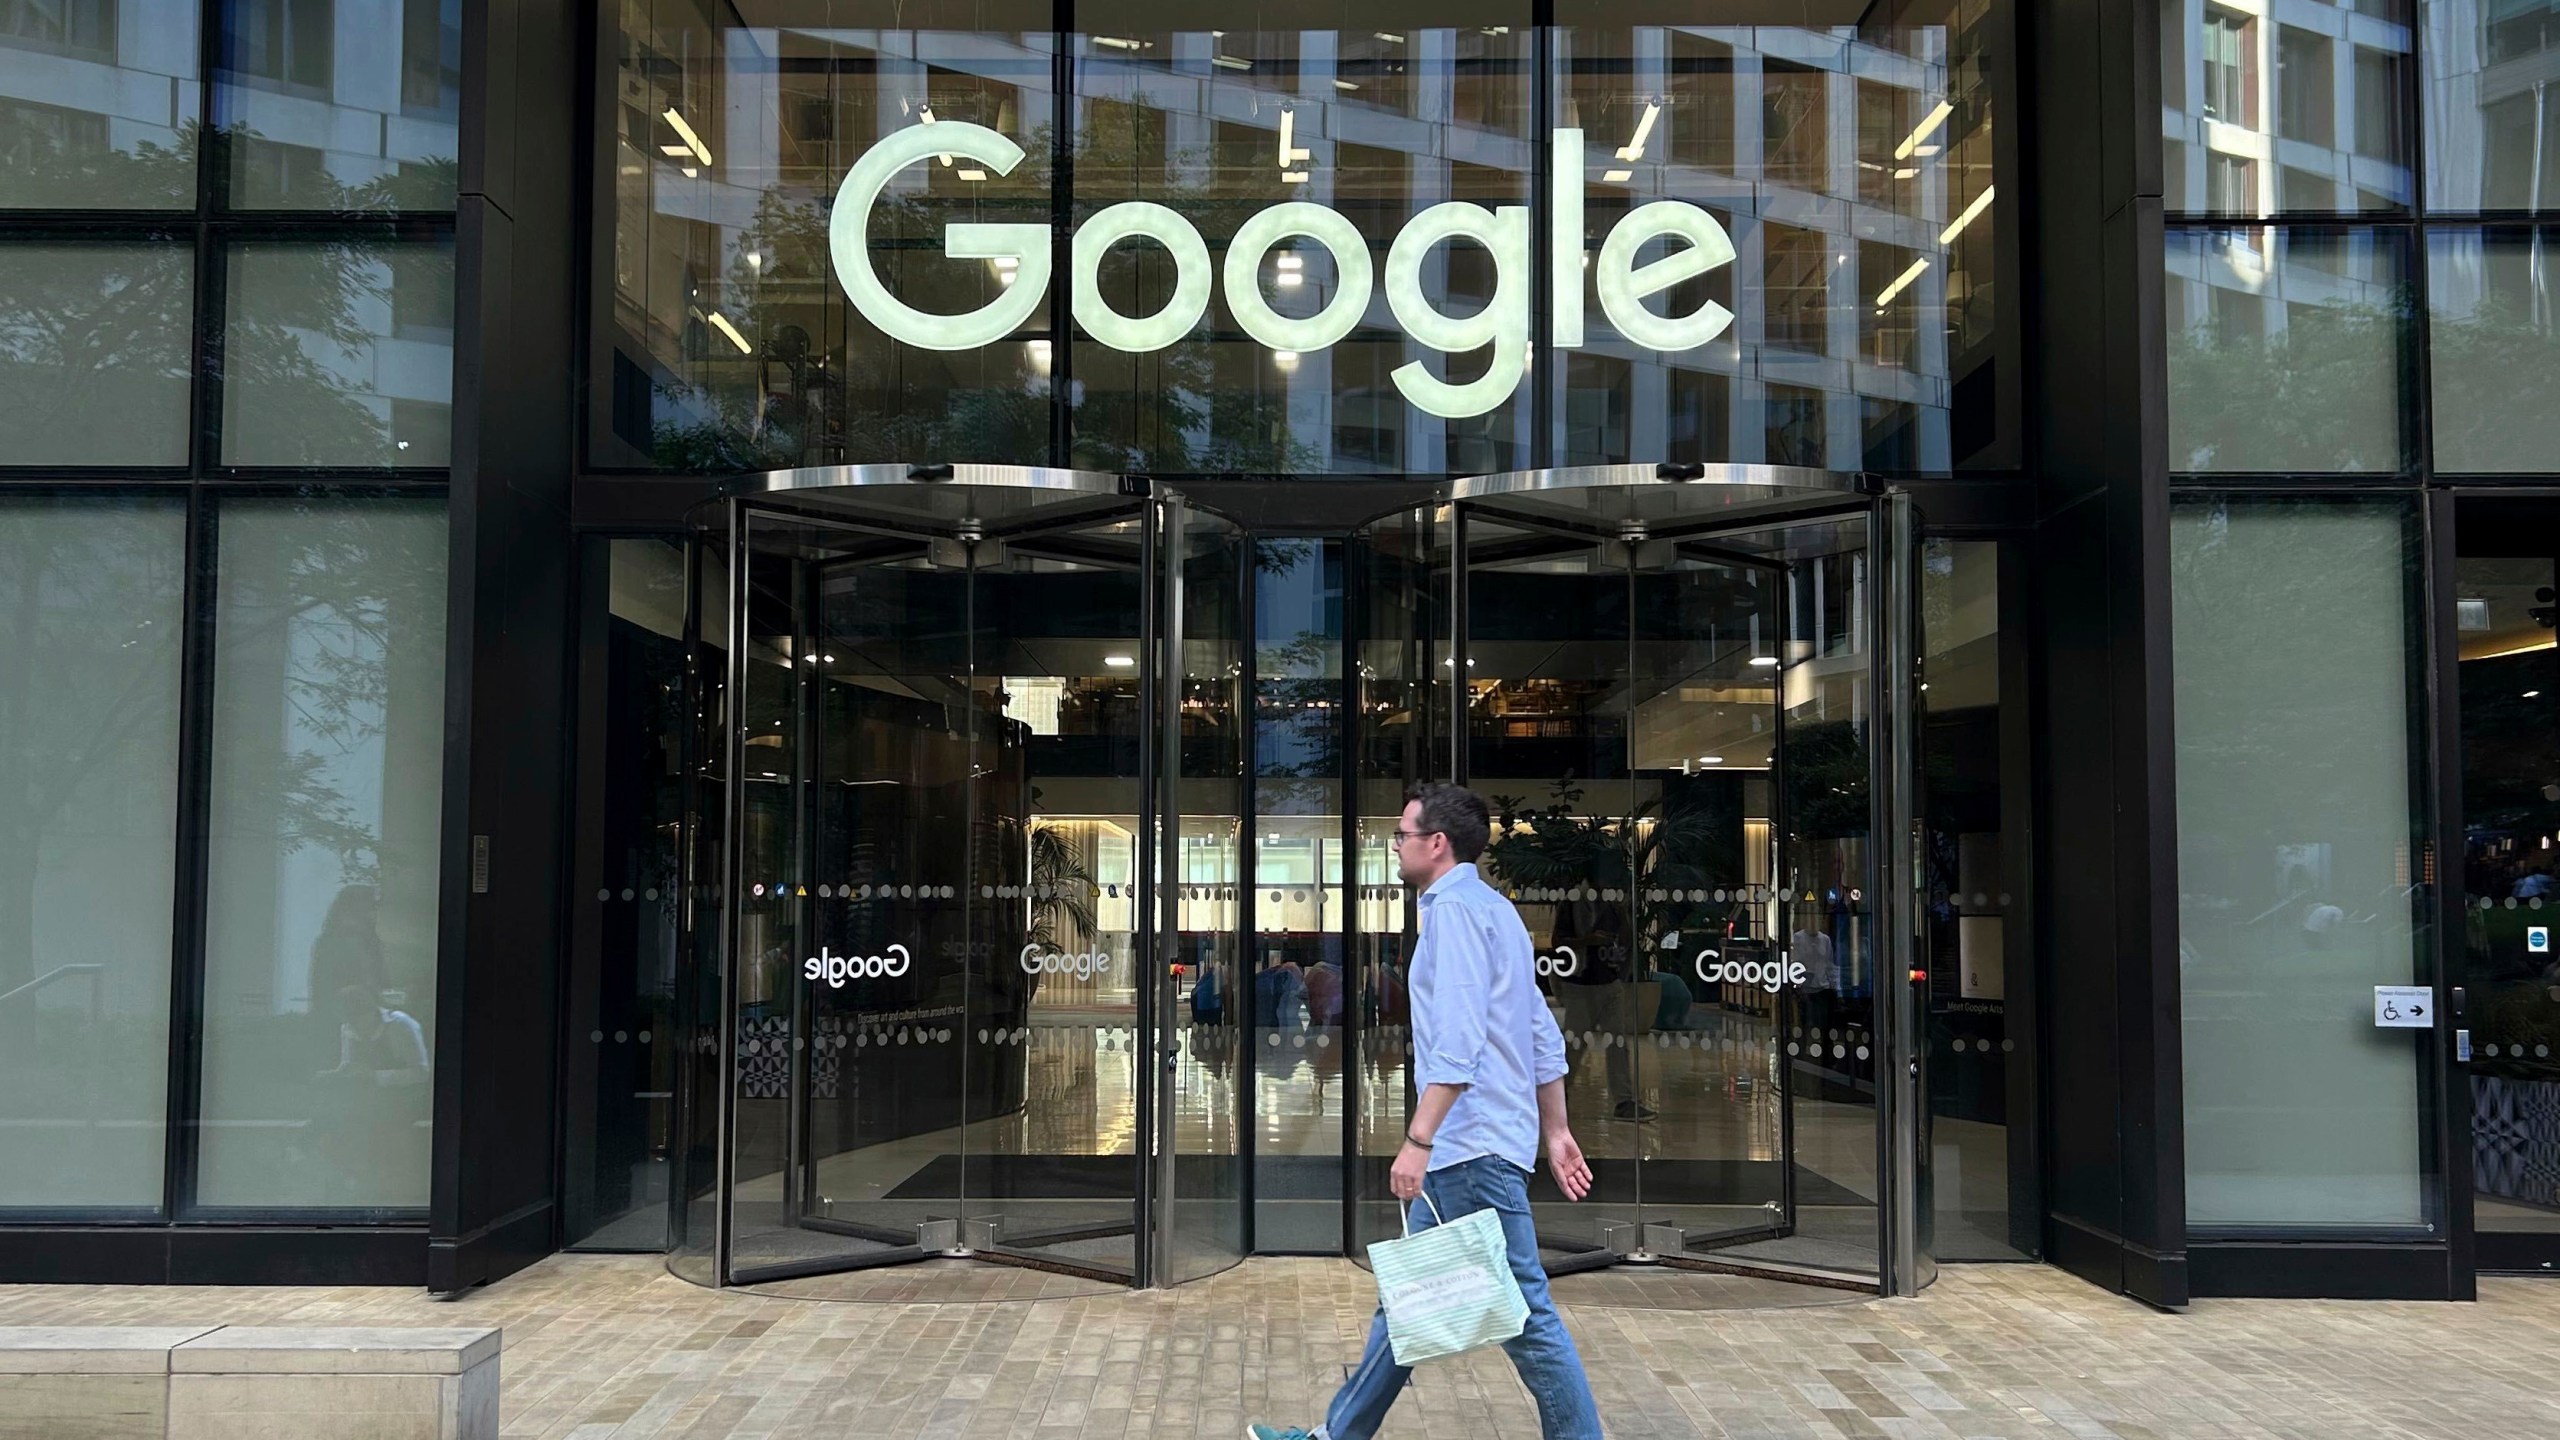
{"points": [[793, 636]]}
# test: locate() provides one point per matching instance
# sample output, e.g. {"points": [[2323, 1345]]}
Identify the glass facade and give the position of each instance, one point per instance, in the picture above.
{"points": [[88, 879], [226, 386], [1428, 244], [2401, 353], [2302, 861], [1118, 770], [2288, 350], [96, 370], [327, 734], [2403, 347], [2493, 302], [339, 354]]}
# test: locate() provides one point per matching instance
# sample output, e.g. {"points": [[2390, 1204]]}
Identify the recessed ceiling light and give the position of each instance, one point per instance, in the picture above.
{"points": [[1122, 662], [1764, 661], [1710, 759]]}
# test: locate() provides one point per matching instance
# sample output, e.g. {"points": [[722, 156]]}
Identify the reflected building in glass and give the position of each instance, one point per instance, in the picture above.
{"points": [[1851, 170]]}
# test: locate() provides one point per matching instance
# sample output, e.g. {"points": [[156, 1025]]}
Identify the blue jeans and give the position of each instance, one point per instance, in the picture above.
{"points": [[1542, 1352]]}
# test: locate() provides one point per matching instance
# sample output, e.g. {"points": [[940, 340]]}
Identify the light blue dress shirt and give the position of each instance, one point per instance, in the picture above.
{"points": [[1479, 1021]]}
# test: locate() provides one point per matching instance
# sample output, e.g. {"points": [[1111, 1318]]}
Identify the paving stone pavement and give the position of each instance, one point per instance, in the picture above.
{"points": [[613, 1346]]}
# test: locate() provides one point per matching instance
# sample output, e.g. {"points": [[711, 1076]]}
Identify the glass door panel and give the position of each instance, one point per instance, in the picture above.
{"points": [[1704, 724], [1817, 646], [1202, 897], [696, 1179], [848, 939], [1544, 671], [2506, 580], [1052, 1032], [933, 907], [1400, 576], [1670, 695], [1700, 874], [1300, 870]]}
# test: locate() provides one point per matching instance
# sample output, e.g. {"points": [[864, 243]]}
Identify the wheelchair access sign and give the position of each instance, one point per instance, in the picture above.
{"points": [[2404, 1007]]}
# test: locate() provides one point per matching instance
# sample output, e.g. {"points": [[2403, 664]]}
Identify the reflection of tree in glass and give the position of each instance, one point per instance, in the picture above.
{"points": [[2319, 394], [302, 343], [799, 399], [68, 329], [65, 572], [2505, 354], [83, 322], [53, 159], [339, 693], [1298, 734]]}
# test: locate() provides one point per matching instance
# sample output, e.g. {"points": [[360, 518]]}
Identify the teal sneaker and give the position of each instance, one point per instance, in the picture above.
{"points": [[1260, 1431]]}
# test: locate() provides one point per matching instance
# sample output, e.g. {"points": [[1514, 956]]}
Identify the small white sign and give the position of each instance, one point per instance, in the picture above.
{"points": [[2404, 1007], [2537, 938]]}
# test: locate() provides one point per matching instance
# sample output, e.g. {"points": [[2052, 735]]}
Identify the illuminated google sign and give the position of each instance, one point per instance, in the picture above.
{"points": [[1620, 282]]}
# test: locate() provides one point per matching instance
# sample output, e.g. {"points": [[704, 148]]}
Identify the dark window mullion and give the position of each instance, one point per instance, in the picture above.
{"points": [[212, 155], [2419, 444], [194, 829], [195, 662]]}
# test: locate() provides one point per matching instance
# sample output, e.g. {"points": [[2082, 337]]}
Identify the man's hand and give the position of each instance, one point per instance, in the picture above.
{"points": [[1405, 1180], [1564, 1158]]}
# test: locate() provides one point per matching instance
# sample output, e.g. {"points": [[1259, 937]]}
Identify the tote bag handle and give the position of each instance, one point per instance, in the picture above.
{"points": [[1408, 1215]]}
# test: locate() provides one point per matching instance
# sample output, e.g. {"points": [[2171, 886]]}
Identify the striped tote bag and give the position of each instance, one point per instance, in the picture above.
{"points": [[1448, 1289]]}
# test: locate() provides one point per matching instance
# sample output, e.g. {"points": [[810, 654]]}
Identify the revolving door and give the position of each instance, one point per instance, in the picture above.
{"points": [[967, 769], [1691, 698]]}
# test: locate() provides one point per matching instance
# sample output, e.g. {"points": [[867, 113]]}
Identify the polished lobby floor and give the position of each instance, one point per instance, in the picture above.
{"points": [[1705, 1162]]}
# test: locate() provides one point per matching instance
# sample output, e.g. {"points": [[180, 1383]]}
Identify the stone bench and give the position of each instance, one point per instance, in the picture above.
{"points": [[247, 1382]]}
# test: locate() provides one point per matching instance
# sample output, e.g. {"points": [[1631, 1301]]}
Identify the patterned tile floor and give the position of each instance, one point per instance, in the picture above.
{"points": [[613, 1346]]}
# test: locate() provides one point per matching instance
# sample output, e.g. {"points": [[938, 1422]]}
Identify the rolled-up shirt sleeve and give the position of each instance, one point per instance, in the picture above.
{"points": [[1548, 1050], [1461, 961]]}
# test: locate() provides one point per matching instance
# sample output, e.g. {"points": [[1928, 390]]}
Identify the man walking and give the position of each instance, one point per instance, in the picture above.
{"points": [[1490, 1064]]}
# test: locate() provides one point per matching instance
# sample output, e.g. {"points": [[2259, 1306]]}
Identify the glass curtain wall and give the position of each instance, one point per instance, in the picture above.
{"points": [[2359, 285], [1836, 305], [327, 734], [228, 287], [88, 753], [2304, 863], [1852, 168]]}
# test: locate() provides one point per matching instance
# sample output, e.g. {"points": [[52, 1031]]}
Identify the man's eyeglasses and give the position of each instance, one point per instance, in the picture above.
{"points": [[1402, 836]]}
